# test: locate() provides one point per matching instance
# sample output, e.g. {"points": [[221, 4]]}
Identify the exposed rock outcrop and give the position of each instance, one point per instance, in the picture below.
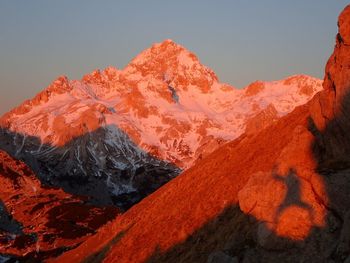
{"points": [[262, 120], [38, 222], [330, 112]]}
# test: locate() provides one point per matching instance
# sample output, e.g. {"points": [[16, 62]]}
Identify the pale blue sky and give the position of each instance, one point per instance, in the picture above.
{"points": [[241, 40]]}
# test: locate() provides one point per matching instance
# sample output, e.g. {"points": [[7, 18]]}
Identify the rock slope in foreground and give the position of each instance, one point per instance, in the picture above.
{"points": [[279, 195]]}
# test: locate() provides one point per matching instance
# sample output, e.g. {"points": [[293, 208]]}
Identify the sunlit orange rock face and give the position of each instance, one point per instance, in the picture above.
{"points": [[285, 202], [254, 88], [263, 119], [279, 176], [41, 221], [330, 111]]}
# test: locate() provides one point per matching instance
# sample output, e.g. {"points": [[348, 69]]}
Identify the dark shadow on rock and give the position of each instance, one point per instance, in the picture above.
{"points": [[99, 256], [45, 221], [331, 150], [293, 194], [105, 165], [235, 234], [73, 219], [8, 225], [68, 221]]}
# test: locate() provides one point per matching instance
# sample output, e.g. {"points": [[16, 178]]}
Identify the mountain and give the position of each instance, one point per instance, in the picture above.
{"points": [[277, 195], [117, 135], [38, 222]]}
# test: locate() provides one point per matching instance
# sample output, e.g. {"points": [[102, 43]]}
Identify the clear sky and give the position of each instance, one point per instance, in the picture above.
{"points": [[241, 40]]}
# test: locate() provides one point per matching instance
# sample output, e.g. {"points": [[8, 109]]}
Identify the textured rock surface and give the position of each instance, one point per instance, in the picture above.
{"points": [[38, 222], [330, 112], [262, 120], [221, 257], [278, 201]]}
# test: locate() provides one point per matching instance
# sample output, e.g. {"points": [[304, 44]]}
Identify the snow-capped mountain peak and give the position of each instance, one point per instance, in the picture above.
{"points": [[164, 108], [172, 63]]}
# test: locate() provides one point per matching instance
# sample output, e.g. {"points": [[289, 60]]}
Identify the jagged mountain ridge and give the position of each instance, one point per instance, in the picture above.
{"points": [[165, 100], [122, 173], [165, 109], [291, 179]]}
